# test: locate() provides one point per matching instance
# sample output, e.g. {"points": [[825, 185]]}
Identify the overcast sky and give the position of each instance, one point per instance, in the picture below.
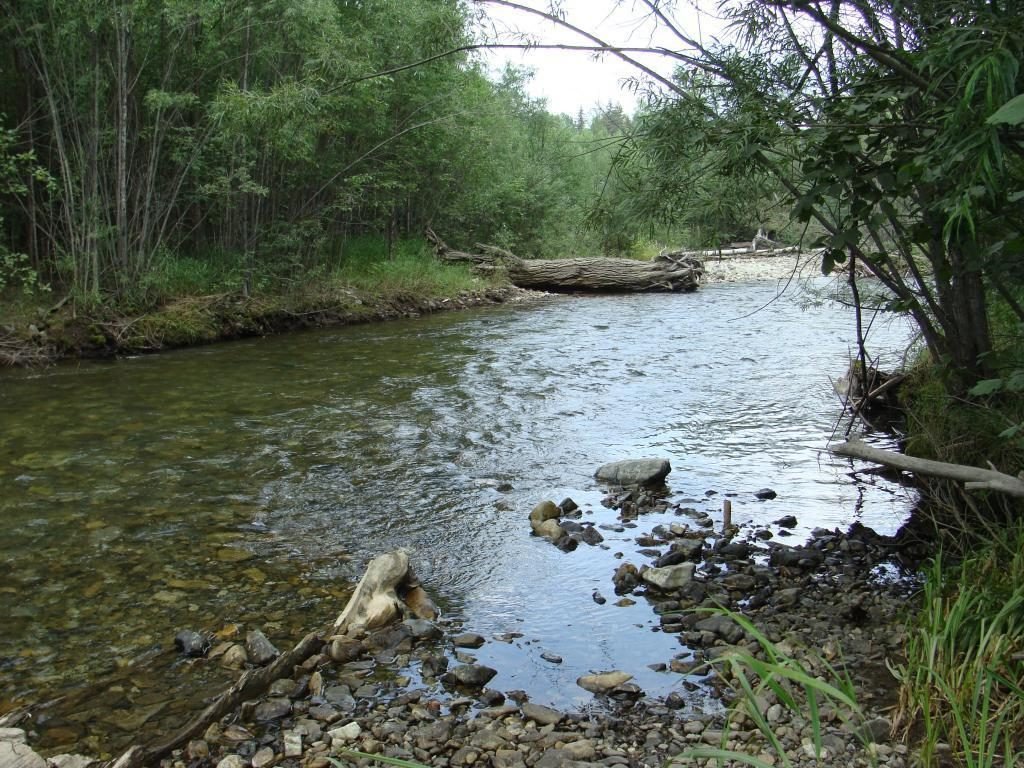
{"points": [[571, 80]]}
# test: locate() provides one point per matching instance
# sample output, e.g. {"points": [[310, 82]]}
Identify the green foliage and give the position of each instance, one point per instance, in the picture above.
{"points": [[795, 687], [963, 681]]}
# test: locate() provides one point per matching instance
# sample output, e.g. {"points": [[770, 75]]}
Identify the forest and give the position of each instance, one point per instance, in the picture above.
{"points": [[158, 151]]}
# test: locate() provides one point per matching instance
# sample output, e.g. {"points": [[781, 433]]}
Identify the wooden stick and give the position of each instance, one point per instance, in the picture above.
{"points": [[726, 515]]}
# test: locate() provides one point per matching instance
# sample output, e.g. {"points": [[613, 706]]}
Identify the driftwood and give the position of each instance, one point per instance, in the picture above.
{"points": [[665, 273], [387, 590], [973, 478]]}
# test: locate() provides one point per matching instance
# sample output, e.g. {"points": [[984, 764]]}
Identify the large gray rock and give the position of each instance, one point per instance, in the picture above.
{"points": [[635, 471], [14, 755], [375, 602], [604, 681], [670, 577], [260, 650], [470, 675]]}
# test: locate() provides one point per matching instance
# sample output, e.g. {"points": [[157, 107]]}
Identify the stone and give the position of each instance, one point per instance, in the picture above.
{"points": [[419, 603], [635, 471], [599, 598], [740, 582], [293, 743], [272, 709], [582, 749], [263, 758], [796, 557], [787, 521], [626, 577], [71, 761], [603, 682], [234, 657], [468, 640], [549, 529], [590, 535], [671, 577], [233, 761], [508, 758], [540, 714], [13, 735], [260, 650], [543, 512], [345, 733], [470, 675], [344, 649], [551, 658], [422, 629], [19, 755], [191, 643], [434, 665], [765, 494], [721, 626], [568, 505], [877, 730]]}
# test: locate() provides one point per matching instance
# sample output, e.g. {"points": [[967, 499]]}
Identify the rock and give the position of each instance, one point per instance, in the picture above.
{"points": [[272, 709], [191, 643], [796, 557], [263, 758], [765, 494], [293, 743], [590, 535], [234, 657], [682, 551], [551, 658], [739, 582], [419, 603], [540, 714], [672, 577], [603, 682], [549, 529], [599, 598], [260, 650], [567, 543], [233, 761], [16, 755], [733, 550], [346, 733], [626, 578], [422, 629], [468, 640], [877, 730], [71, 761], [787, 597], [543, 512], [434, 665], [568, 505], [787, 521], [721, 626], [470, 675], [344, 649], [13, 735], [635, 471]]}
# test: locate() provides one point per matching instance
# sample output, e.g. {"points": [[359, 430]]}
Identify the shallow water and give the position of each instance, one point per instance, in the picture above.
{"points": [[248, 483]]}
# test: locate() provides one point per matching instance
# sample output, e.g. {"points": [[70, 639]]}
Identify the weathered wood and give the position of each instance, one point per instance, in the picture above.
{"points": [[973, 478], [665, 273]]}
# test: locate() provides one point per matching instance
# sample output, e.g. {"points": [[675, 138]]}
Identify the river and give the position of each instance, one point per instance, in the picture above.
{"points": [[246, 484]]}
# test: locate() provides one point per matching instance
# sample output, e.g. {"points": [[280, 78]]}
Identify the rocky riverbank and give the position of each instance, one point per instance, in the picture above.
{"points": [[830, 608], [737, 268]]}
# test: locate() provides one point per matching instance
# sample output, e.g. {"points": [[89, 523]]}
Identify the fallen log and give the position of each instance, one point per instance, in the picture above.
{"points": [[973, 478], [664, 273]]}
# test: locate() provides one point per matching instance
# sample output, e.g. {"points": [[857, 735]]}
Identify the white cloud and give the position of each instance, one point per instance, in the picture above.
{"points": [[574, 80]]}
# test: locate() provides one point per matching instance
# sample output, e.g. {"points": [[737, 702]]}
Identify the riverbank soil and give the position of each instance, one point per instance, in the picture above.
{"points": [[40, 336]]}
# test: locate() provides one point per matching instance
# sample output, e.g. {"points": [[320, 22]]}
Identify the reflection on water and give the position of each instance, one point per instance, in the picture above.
{"points": [[249, 482]]}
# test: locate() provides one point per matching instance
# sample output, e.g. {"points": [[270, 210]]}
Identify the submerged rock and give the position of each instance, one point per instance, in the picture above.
{"points": [[192, 643], [635, 471]]}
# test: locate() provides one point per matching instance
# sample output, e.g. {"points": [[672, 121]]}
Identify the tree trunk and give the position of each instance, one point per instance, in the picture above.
{"points": [[666, 273]]}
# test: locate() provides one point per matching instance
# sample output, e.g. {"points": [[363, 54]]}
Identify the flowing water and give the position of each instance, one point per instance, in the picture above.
{"points": [[248, 483]]}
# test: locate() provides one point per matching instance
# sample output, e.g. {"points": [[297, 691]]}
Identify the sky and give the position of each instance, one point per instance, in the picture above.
{"points": [[574, 80]]}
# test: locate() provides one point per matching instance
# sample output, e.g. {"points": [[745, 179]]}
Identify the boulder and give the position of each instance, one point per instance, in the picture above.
{"points": [[470, 675], [603, 682], [541, 715], [375, 602], [543, 512], [549, 529], [260, 650], [670, 577], [14, 755], [721, 626], [191, 643], [635, 471], [626, 577]]}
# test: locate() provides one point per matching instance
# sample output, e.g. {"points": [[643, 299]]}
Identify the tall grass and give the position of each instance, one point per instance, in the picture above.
{"points": [[804, 693], [963, 682]]}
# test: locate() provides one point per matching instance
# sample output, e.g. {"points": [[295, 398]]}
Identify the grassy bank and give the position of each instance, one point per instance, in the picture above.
{"points": [[188, 301]]}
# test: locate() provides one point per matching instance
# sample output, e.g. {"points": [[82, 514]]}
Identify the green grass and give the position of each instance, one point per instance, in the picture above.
{"points": [[963, 681]]}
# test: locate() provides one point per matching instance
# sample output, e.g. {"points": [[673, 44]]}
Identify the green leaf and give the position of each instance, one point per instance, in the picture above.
{"points": [[1011, 112], [986, 387]]}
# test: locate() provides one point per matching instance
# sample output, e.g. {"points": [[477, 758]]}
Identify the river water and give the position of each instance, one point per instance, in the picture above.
{"points": [[246, 485]]}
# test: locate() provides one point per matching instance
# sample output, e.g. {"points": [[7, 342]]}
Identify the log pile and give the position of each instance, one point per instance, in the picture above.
{"points": [[666, 273]]}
